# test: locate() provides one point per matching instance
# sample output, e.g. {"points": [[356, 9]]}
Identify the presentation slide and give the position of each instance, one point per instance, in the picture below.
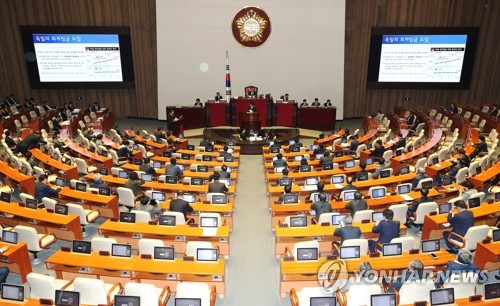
{"points": [[422, 58], [78, 57]]}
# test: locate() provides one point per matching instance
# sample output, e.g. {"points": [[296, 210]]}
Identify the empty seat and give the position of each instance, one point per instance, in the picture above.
{"points": [[147, 246], [102, 244], [148, 293], [197, 290], [95, 291], [35, 242], [43, 286]]}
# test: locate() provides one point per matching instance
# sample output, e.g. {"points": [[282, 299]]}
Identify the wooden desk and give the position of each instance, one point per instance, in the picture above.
{"points": [[177, 236], [212, 164], [26, 183], [226, 210], [329, 139], [487, 256], [64, 227], [115, 146], [433, 170], [288, 236], [17, 259], [214, 154], [301, 176], [86, 154], [66, 171], [485, 176], [313, 162], [433, 225], [298, 275], [68, 265], [106, 205], [186, 173]]}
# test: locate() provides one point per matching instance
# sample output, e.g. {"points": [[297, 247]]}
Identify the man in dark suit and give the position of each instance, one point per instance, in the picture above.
{"points": [[172, 168], [179, 205], [285, 98], [70, 106], [461, 219], [252, 108], [423, 199], [354, 143], [28, 143], [322, 206], [401, 143], [320, 149], [382, 165], [218, 96], [414, 273], [216, 186], [9, 141], [223, 173], [362, 166], [63, 115], [387, 228], [172, 118], [146, 167], [125, 151], [357, 204], [453, 108], [379, 149], [279, 162], [304, 103], [480, 147], [43, 190], [198, 103], [225, 152], [95, 107], [411, 119], [135, 184], [316, 103], [420, 176], [347, 232], [287, 190], [464, 158], [494, 111], [326, 158], [328, 103], [349, 185], [463, 264], [46, 106], [206, 143]]}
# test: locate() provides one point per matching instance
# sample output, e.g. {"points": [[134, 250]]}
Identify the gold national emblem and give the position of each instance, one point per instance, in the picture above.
{"points": [[251, 27]]}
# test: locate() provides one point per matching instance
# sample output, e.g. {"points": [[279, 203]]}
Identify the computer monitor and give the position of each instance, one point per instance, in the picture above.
{"points": [[285, 181], [5, 197], [429, 246], [387, 299], [298, 221], [219, 199], [474, 202], [197, 181], [362, 176], [80, 246], [442, 296], [311, 181], [67, 298], [167, 154], [209, 222], [385, 173], [305, 168], [189, 197], [337, 218], [158, 196], [185, 156], [323, 301], [103, 170], [316, 196], [497, 196], [209, 149], [147, 177], [279, 169], [61, 209], [446, 180], [307, 254], [190, 147], [369, 161], [479, 170], [226, 182], [338, 154], [274, 150], [349, 164], [81, 186], [496, 235], [127, 300], [135, 147], [127, 217], [103, 153], [9, 237], [392, 249], [92, 149], [164, 253], [327, 166], [60, 182], [123, 174], [31, 203], [349, 252], [228, 159], [137, 161], [201, 168], [207, 254], [349, 195], [104, 191], [170, 179], [378, 193], [492, 291], [399, 152], [404, 189], [337, 179], [404, 170], [292, 142], [298, 158], [229, 143], [377, 215], [157, 165], [121, 250], [435, 160], [444, 208], [187, 302], [166, 220], [13, 292], [291, 198], [427, 185]]}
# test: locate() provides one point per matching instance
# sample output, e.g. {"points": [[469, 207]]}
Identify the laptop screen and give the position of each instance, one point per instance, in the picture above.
{"points": [[369, 161], [311, 181], [298, 158], [337, 218], [190, 147], [188, 197], [338, 154], [474, 202], [385, 173], [404, 170], [349, 252], [31, 203], [80, 246], [165, 253], [492, 291], [167, 154], [435, 160], [123, 174], [219, 199], [323, 301], [337, 179], [170, 179], [157, 165], [496, 235], [146, 177], [427, 185], [13, 292], [187, 302], [127, 300], [185, 156], [9, 236], [209, 222], [442, 296], [291, 198], [383, 300], [211, 149], [377, 215], [105, 191], [305, 168], [497, 196], [479, 170], [378, 193], [127, 217], [60, 182], [349, 164], [166, 220], [81, 186], [431, 245], [61, 209], [404, 189], [307, 254], [274, 149], [292, 142], [298, 221], [285, 181], [399, 152], [392, 249], [158, 196], [208, 254], [121, 250], [349, 195], [444, 208], [138, 161], [103, 170], [67, 298]]}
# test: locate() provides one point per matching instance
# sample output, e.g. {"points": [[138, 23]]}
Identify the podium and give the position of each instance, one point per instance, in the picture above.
{"points": [[193, 117], [177, 128], [285, 114], [264, 110], [217, 113], [250, 121]]}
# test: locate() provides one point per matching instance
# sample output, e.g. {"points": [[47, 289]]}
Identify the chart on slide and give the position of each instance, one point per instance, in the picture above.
{"points": [[445, 62], [103, 62]]}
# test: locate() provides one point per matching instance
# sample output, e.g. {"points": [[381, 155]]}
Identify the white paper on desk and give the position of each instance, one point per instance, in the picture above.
{"points": [[335, 135], [437, 165], [309, 188], [209, 231], [109, 143], [65, 122], [406, 197], [344, 145], [338, 186]]}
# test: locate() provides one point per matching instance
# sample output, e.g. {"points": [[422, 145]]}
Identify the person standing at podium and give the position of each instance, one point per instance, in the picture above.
{"points": [[285, 98], [218, 97], [172, 118], [251, 108]]}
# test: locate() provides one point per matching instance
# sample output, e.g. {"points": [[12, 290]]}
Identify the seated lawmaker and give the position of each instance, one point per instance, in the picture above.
{"points": [[453, 108], [320, 149], [347, 232], [379, 117], [285, 98], [304, 103], [125, 150], [467, 190], [420, 176], [328, 103], [387, 229], [401, 143], [316, 103], [216, 186], [463, 264], [279, 162], [326, 158], [43, 190], [146, 167], [349, 185], [481, 147], [218, 97], [98, 181], [378, 150], [287, 190], [354, 143], [494, 110], [461, 219], [180, 205], [357, 204], [382, 165], [223, 173], [423, 199], [198, 103], [322, 206], [225, 152], [9, 141], [172, 168], [414, 273]]}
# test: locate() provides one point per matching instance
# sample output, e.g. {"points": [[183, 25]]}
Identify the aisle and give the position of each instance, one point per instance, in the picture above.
{"points": [[252, 273]]}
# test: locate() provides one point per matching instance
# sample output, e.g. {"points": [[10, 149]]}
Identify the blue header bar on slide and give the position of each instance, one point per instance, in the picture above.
{"points": [[424, 39], [75, 38]]}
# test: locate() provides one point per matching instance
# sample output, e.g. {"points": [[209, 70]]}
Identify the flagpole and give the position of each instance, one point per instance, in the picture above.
{"points": [[228, 79]]}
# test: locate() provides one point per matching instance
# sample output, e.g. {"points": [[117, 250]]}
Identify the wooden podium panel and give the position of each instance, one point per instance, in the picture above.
{"points": [[217, 114], [285, 114], [250, 121], [263, 106], [193, 117], [317, 118]]}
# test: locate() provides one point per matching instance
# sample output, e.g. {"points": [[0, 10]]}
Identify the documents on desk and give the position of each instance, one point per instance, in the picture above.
{"points": [[309, 187], [406, 197], [209, 231]]}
